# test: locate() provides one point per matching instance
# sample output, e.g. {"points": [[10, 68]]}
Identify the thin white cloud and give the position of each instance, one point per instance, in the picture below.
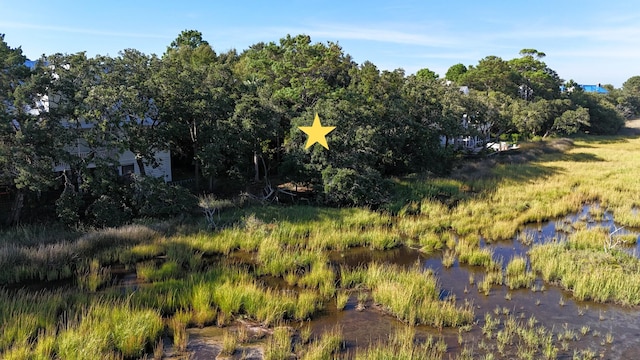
{"points": [[387, 33], [67, 29]]}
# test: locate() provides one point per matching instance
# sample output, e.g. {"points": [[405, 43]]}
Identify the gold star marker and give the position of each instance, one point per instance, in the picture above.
{"points": [[317, 133]]}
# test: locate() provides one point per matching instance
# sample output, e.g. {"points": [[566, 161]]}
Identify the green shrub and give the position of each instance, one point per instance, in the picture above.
{"points": [[344, 186], [109, 211], [152, 197]]}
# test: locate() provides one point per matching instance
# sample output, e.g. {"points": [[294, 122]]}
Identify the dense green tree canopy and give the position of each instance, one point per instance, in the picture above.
{"points": [[235, 117], [455, 72]]}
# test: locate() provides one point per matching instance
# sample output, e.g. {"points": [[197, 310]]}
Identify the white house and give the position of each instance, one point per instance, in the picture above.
{"points": [[478, 135], [127, 159]]}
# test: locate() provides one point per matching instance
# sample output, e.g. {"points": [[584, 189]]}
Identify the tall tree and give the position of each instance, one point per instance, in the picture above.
{"points": [[292, 77], [455, 72], [492, 74], [123, 102], [629, 98], [194, 99], [30, 140], [537, 79], [426, 75]]}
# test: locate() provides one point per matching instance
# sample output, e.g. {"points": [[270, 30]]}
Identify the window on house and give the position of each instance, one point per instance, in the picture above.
{"points": [[128, 170]]}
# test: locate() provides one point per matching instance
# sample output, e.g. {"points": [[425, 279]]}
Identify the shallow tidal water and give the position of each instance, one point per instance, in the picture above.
{"points": [[552, 307]]}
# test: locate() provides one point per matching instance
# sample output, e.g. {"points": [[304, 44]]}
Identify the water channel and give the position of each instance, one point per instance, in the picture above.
{"points": [[552, 307]]}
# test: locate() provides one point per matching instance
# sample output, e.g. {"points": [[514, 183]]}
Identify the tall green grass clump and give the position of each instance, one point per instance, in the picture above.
{"points": [[516, 274], [328, 346], [49, 260], [25, 315], [413, 296], [107, 328], [590, 274], [589, 238], [403, 345], [245, 296], [320, 277], [279, 345], [277, 259], [92, 276], [148, 271], [469, 252]]}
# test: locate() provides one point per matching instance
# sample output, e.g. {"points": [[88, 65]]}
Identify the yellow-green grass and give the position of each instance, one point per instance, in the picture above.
{"points": [[92, 276], [31, 326], [403, 345], [591, 274], [516, 274], [320, 277], [328, 346], [106, 328], [470, 252], [291, 242], [533, 340], [22, 260], [555, 184], [412, 295], [24, 314], [279, 345], [148, 271]]}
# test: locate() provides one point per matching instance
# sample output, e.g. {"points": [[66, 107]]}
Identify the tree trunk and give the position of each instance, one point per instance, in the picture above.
{"points": [[16, 208], [256, 166], [140, 163], [196, 174], [193, 129]]}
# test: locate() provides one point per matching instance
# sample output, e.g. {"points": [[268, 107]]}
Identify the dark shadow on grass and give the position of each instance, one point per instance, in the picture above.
{"points": [[582, 157], [523, 172], [519, 165], [623, 136]]}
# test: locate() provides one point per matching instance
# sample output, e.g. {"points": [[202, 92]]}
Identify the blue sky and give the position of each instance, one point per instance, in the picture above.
{"points": [[588, 41]]}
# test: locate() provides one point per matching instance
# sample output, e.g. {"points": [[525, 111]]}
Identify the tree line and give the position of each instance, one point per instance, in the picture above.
{"points": [[233, 118]]}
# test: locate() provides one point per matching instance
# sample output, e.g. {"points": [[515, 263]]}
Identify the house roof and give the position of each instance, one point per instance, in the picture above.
{"points": [[587, 88], [594, 89]]}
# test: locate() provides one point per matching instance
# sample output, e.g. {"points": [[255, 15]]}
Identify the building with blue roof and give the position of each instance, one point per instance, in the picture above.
{"points": [[597, 89], [594, 89]]}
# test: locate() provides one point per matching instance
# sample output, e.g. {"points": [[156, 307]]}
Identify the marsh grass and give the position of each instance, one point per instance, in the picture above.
{"points": [[25, 316], [279, 345], [92, 276], [431, 242], [320, 277], [516, 274], [589, 238], [178, 326], [413, 296], [448, 258], [203, 313], [403, 345], [328, 346], [342, 297], [305, 333], [469, 252], [25, 259], [229, 343], [589, 273], [106, 329], [525, 336], [351, 278], [148, 271]]}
